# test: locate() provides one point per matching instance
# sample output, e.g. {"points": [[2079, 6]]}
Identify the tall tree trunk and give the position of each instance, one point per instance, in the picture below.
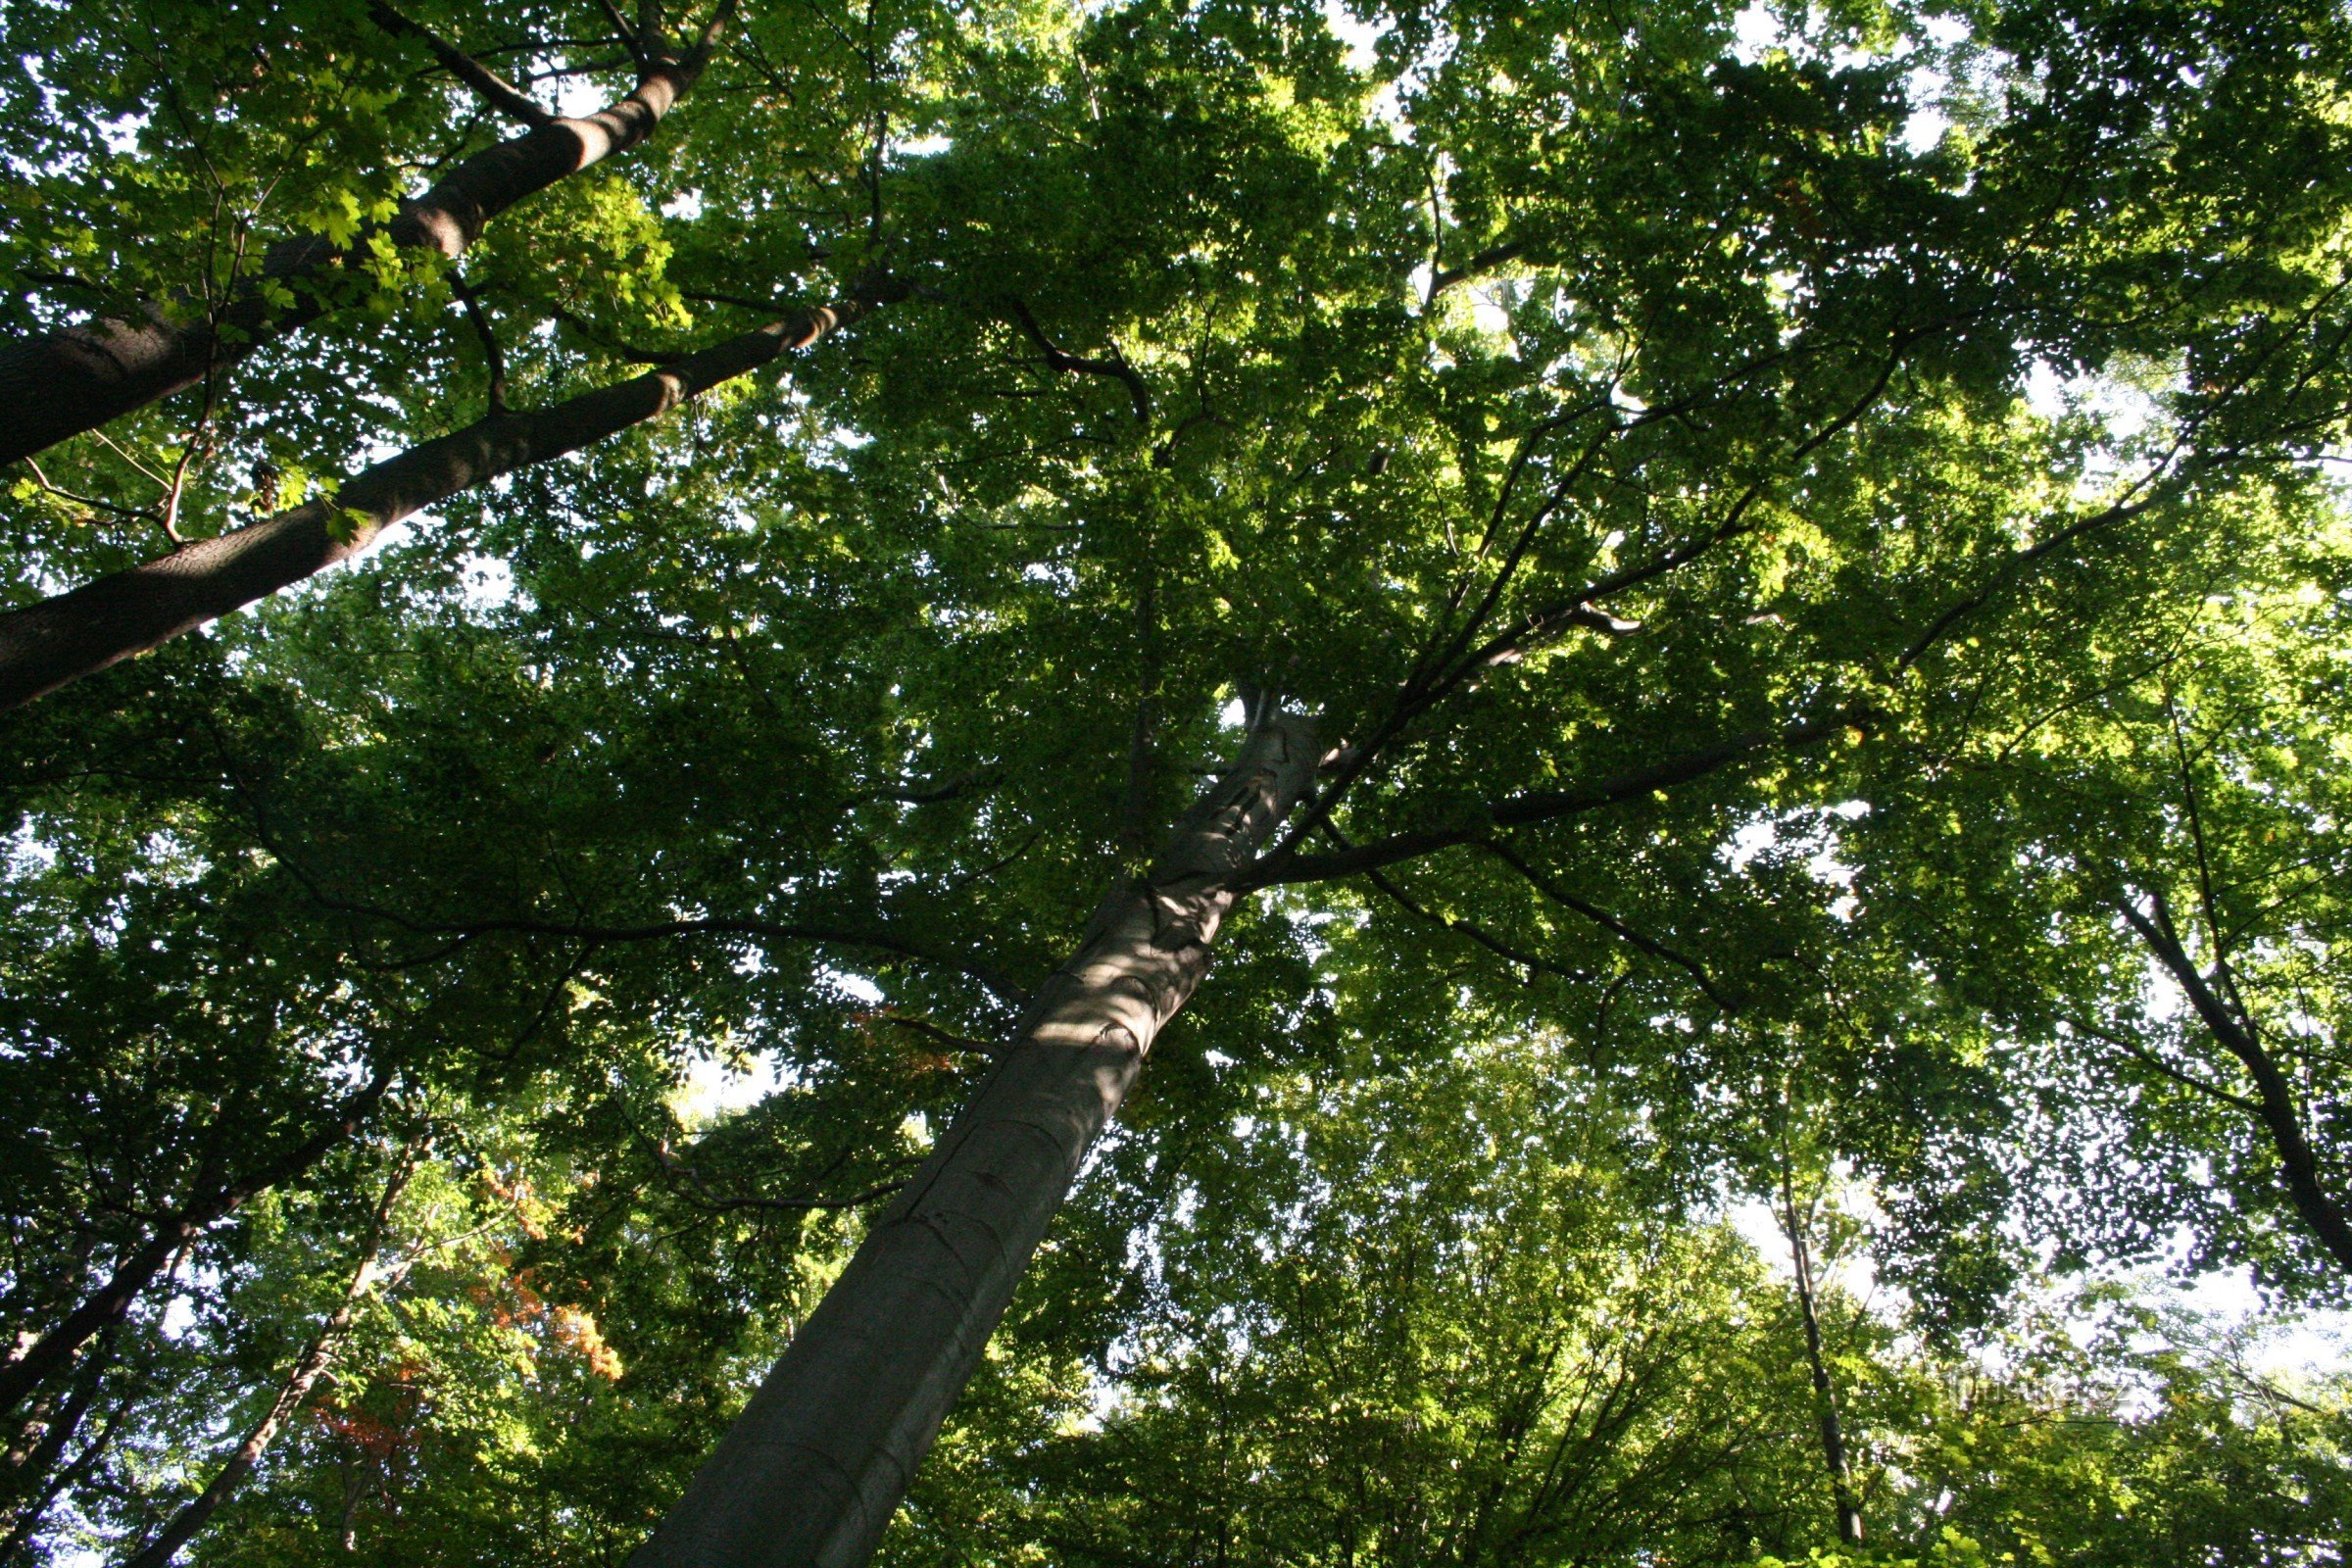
{"points": [[211, 1201], [27, 1521], [47, 645], [32, 1464], [300, 1379], [2274, 1105], [64, 382], [1825, 1392], [813, 1470]]}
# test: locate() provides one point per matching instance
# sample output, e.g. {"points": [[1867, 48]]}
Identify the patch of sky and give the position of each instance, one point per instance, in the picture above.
{"points": [[578, 97], [487, 582], [2223, 1302], [1755, 34], [721, 1086], [854, 986]]}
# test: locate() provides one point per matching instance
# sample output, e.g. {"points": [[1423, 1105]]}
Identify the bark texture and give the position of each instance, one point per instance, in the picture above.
{"points": [[61, 383], [46, 644], [810, 1473]]}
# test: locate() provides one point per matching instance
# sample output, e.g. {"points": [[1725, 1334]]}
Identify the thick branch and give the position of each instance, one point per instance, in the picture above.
{"points": [[46, 644], [1485, 260], [1546, 806], [769, 930], [60, 383], [494, 358], [488, 85], [2278, 1110], [1117, 366]]}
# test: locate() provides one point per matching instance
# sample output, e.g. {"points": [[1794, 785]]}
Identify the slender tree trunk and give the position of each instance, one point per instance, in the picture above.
{"points": [[2275, 1103], [32, 1466], [213, 1200], [47, 645], [28, 1520], [102, 1309], [62, 383], [813, 1470], [301, 1378], [1825, 1392]]}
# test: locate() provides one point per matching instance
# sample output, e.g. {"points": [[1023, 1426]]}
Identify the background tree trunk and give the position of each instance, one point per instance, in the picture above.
{"points": [[300, 1379], [2274, 1105], [213, 1200], [1824, 1390], [813, 1470]]}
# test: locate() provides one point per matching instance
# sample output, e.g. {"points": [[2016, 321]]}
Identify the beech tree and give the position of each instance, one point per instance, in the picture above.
{"points": [[1791, 550]]}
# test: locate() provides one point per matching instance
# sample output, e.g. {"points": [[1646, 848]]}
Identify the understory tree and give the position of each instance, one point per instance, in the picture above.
{"points": [[1568, 617]]}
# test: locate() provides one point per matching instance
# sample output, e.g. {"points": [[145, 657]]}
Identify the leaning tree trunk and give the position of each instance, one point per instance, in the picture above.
{"points": [[1824, 1390], [61, 383], [213, 1200], [304, 1376], [47, 645], [33, 1463], [813, 1470]]}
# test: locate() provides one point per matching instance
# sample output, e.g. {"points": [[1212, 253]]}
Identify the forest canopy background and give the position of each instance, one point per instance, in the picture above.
{"points": [[1711, 610]]}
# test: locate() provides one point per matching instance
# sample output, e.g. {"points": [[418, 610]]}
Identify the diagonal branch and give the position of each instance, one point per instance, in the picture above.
{"points": [[494, 358], [1601, 917], [870, 938], [1117, 366], [1546, 806], [215, 1199], [1436, 675], [488, 85], [2222, 971], [1472, 930], [2276, 1106], [1485, 260], [2157, 1064], [296, 1387], [60, 383], [54, 641], [599, 338]]}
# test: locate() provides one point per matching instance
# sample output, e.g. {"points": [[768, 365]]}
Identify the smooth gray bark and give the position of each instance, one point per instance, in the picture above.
{"points": [[58, 385], [810, 1473], [47, 645]]}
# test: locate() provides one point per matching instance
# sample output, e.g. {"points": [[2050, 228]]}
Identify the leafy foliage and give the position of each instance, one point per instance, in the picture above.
{"points": [[1809, 530]]}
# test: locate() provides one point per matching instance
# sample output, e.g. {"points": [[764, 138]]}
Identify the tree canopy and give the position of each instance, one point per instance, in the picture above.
{"points": [[1621, 617]]}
